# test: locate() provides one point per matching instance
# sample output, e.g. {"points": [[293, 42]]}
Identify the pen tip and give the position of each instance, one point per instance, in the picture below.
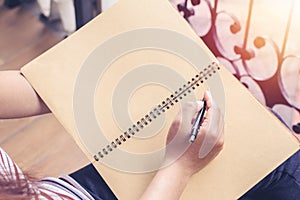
{"points": [[192, 139]]}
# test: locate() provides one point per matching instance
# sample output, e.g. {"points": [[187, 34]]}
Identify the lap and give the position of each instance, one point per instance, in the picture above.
{"points": [[93, 183], [281, 184]]}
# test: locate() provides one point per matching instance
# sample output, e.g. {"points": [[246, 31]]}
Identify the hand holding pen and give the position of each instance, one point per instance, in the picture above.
{"points": [[197, 123], [200, 138]]}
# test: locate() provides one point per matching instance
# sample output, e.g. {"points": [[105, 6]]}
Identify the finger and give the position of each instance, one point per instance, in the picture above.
{"points": [[209, 103], [212, 127], [188, 110], [213, 153], [213, 112], [208, 98], [179, 133], [213, 137], [219, 145], [174, 128], [182, 121], [200, 106]]}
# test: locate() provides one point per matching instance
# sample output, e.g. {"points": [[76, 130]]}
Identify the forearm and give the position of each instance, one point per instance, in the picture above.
{"points": [[17, 97], [168, 184]]}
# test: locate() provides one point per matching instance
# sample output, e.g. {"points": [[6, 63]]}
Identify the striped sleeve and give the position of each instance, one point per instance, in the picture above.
{"points": [[8, 169], [60, 187], [47, 188]]}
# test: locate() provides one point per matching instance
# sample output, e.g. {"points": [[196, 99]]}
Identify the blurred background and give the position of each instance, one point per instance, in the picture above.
{"points": [[258, 41]]}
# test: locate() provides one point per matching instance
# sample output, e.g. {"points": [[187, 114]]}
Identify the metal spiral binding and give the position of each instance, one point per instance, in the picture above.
{"points": [[156, 112]]}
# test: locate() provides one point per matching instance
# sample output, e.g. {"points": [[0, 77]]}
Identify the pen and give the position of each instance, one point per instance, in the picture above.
{"points": [[197, 123]]}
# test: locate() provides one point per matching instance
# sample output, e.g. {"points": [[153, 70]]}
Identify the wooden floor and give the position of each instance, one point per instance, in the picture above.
{"points": [[39, 145]]}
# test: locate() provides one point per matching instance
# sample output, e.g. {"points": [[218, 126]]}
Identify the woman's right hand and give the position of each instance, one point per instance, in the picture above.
{"points": [[210, 139], [170, 181]]}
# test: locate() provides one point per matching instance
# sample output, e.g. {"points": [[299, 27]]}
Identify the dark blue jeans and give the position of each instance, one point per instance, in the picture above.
{"points": [[93, 183], [281, 184]]}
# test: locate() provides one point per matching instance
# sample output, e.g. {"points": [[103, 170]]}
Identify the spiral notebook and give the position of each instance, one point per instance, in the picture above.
{"points": [[156, 113], [117, 83]]}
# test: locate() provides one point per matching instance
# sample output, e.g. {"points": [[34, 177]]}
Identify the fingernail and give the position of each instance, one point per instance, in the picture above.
{"points": [[200, 104], [208, 94]]}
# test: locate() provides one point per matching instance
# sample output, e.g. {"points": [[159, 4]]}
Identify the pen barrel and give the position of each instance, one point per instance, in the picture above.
{"points": [[197, 123]]}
